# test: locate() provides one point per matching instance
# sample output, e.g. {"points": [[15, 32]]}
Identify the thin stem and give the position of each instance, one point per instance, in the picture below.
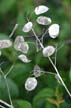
{"points": [[2, 102], [14, 29], [37, 39], [55, 55], [2, 106], [9, 70], [53, 65], [59, 76], [49, 73], [7, 88], [43, 35]]}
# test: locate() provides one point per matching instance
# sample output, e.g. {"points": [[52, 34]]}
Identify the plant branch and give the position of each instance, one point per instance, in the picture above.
{"points": [[53, 65], [7, 87]]}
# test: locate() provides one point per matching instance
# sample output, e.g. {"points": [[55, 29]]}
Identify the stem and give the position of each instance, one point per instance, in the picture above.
{"points": [[2, 106], [37, 39], [7, 87], [46, 72], [9, 70], [2, 102], [53, 65], [16, 26]]}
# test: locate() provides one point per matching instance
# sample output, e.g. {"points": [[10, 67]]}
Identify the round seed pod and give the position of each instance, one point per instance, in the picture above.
{"points": [[30, 83]]}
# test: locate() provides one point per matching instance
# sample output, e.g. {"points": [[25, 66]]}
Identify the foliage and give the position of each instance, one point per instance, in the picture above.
{"points": [[49, 93]]}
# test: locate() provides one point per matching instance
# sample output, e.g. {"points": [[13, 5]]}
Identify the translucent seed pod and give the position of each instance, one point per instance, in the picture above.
{"points": [[24, 58], [27, 27], [30, 83], [37, 71], [48, 51], [5, 44], [53, 30], [41, 9], [21, 45], [43, 20]]}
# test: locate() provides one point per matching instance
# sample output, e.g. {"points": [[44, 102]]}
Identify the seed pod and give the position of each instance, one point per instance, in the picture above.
{"points": [[37, 71], [5, 44], [30, 83], [23, 58], [27, 27], [53, 30], [41, 9], [48, 51], [43, 20], [21, 45]]}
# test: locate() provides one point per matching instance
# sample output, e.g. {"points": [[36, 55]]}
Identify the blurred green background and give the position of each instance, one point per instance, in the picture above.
{"points": [[49, 93]]}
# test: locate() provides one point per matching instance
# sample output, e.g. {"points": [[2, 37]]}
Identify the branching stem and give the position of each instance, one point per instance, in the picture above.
{"points": [[53, 65]]}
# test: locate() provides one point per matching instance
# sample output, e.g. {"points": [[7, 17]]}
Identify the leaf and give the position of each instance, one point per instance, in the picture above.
{"points": [[27, 27], [5, 44], [43, 20], [65, 105], [41, 97], [21, 104], [41, 9], [3, 36], [5, 5], [20, 72], [53, 30], [3, 89], [21, 45], [48, 51], [23, 58], [30, 83]]}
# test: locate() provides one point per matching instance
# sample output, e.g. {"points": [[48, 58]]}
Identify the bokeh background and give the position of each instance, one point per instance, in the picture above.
{"points": [[49, 92]]}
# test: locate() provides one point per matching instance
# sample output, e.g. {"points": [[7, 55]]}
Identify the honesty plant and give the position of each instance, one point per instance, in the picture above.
{"points": [[22, 46]]}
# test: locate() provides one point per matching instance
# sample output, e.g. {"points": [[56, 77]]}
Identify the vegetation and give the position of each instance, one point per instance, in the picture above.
{"points": [[50, 91]]}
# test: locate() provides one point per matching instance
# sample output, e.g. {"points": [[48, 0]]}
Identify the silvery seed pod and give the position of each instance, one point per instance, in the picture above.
{"points": [[30, 83], [21, 45], [41, 9], [24, 58], [37, 71], [53, 30], [48, 51], [5, 44], [27, 27], [43, 20]]}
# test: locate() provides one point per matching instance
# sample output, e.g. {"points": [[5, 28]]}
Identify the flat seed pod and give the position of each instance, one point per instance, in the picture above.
{"points": [[53, 30], [43, 20], [23, 58], [30, 83], [37, 71], [41, 9], [5, 44], [21, 45], [27, 27], [48, 51]]}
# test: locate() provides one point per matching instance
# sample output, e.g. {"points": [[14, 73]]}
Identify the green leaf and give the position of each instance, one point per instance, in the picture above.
{"points": [[3, 36], [65, 105], [41, 97], [5, 5], [3, 89], [20, 72], [21, 104]]}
